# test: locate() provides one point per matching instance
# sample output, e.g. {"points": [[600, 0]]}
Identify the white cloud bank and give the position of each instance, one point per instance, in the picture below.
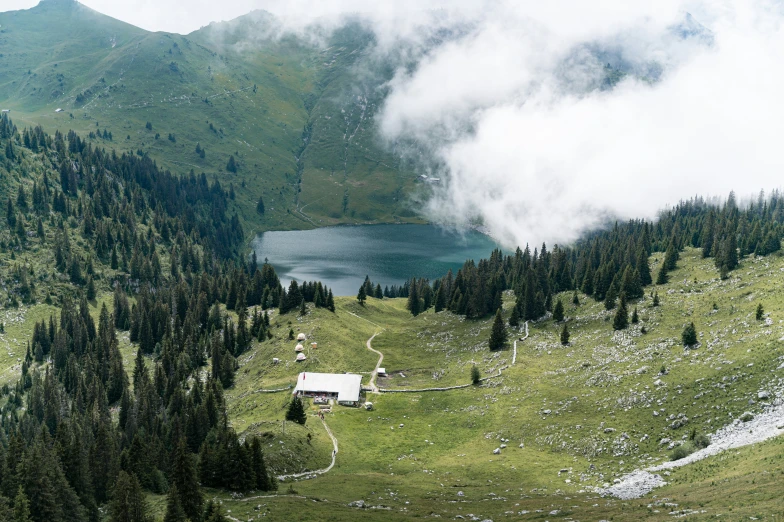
{"points": [[508, 103], [545, 161]]}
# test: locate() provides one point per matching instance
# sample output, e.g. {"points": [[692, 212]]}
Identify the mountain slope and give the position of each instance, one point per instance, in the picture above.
{"points": [[298, 123]]}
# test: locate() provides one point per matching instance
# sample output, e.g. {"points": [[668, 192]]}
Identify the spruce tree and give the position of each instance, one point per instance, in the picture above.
{"points": [[330, 301], [475, 375], [128, 503], [21, 507], [362, 296], [689, 335], [661, 277], [260, 206], [635, 317], [760, 312], [296, 411], [565, 335], [260, 473], [303, 310], [440, 303], [174, 510], [514, 318], [656, 299], [414, 304], [498, 332], [621, 319], [610, 297], [575, 299], [185, 481], [558, 311]]}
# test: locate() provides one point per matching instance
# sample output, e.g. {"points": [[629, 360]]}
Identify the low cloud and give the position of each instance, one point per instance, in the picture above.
{"points": [[528, 136]]}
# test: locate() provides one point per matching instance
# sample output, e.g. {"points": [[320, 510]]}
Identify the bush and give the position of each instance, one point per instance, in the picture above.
{"points": [[701, 441], [682, 451]]}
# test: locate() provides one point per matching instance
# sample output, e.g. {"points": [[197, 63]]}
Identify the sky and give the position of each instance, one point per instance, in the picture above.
{"points": [[509, 106]]}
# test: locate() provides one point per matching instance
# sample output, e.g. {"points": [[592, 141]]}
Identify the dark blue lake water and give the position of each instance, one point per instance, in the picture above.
{"points": [[340, 257]]}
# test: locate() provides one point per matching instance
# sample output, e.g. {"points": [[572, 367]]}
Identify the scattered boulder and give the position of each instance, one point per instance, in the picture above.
{"points": [[357, 504], [497, 451], [747, 416], [763, 395]]}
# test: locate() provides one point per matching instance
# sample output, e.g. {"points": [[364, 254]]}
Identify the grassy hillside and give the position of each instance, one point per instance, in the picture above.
{"points": [[587, 408], [297, 118]]}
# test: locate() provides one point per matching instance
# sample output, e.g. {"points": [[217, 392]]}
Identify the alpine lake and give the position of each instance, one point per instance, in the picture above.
{"points": [[341, 257]]}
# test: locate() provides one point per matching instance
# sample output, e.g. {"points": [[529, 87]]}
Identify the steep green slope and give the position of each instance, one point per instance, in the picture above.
{"points": [[295, 117]]}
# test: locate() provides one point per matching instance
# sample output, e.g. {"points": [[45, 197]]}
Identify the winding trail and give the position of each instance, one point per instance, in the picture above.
{"points": [[313, 474], [374, 374]]}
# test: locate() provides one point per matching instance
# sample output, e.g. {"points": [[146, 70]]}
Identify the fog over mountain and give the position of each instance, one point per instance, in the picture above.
{"points": [[545, 120], [530, 136]]}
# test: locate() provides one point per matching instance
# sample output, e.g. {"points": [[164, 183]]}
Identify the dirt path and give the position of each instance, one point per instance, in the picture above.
{"points": [[374, 374], [313, 474], [514, 353]]}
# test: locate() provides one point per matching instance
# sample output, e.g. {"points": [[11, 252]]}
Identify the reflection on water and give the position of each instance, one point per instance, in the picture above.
{"points": [[340, 257]]}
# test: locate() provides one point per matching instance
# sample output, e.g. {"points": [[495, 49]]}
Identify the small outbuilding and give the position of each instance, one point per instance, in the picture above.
{"points": [[344, 387], [382, 372], [275, 360], [301, 337], [301, 357], [299, 348]]}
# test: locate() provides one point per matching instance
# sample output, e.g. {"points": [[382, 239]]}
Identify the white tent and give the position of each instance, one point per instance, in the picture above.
{"points": [[301, 337], [299, 348], [301, 357]]}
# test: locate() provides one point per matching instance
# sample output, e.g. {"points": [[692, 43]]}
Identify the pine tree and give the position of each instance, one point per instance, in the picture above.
{"points": [[185, 481], [514, 318], [302, 308], [558, 311], [621, 319], [575, 299], [414, 304], [330, 301], [213, 513], [231, 166], [498, 333], [296, 411], [610, 297], [565, 335], [661, 277], [760, 312], [689, 335], [128, 502], [260, 206], [174, 510], [440, 298], [90, 292], [362, 296], [21, 507], [635, 317], [475, 375], [260, 473], [656, 299]]}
